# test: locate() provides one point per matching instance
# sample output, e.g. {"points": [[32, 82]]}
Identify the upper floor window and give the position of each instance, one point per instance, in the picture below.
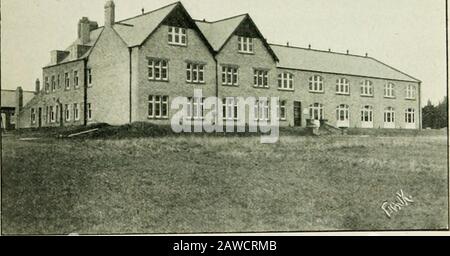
{"points": [[67, 80], [158, 106], [366, 88], [158, 69], [75, 78], [389, 90], [230, 75], [177, 36], [409, 116], [411, 92], [47, 86], [53, 83], [59, 81], [342, 86], [260, 78], [89, 77], [286, 81], [195, 73], [245, 44], [316, 84]]}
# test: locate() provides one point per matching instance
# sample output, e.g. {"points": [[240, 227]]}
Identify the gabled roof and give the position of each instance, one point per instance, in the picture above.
{"points": [[337, 63], [8, 98], [135, 30]]}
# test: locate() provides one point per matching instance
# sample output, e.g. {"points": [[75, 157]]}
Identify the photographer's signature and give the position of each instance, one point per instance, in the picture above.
{"points": [[400, 202]]}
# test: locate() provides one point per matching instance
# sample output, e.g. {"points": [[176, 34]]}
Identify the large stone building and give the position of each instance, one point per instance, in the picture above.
{"points": [[130, 70]]}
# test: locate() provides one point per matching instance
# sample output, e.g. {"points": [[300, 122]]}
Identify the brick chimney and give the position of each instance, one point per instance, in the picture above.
{"points": [[37, 86], [109, 13], [84, 30]]}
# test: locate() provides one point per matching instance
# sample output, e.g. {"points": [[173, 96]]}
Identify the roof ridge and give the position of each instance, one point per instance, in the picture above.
{"points": [[224, 19], [317, 50], [152, 11]]}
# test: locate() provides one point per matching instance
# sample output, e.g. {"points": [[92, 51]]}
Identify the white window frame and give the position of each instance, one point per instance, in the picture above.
{"points": [[367, 116], [158, 66], [230, 75], [411, 92], [343, 86], [53, 83], [76, 111], [67, 112], [76, 81], [160, 102], [282, 110], [33, 115], [195, 73], [67, 80], [410, 116], [52, 114], [245, 45], [177, 36], [286, 81], [230, 108], [366, 88], [89, 77], [389, 117], [260, 78], [316, 84], [89, 111], [316, 111], [389, 90], [47, 84], [343, 110]]}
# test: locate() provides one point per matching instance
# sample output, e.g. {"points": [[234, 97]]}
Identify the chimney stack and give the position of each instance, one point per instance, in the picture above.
{"points": [[367, 55], [19, 104], [84, 30], [37, 86], [109, 13], [143, 10], [309, 46], [348, 52], [287, 43]]}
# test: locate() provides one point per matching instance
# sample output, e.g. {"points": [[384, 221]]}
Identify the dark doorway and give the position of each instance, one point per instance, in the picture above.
{"points": [[297, 113], [40, 117]]}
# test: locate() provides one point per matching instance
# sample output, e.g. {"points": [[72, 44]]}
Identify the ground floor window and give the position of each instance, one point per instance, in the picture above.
{"points": [[262, 109], [367, 114], [409, 116], [57, 113], [230, 108], [76, 111], [389, 115], [67, 112], [33, 116], [342, 112], [158, 106], [316, 111], [195, 108], [282, 110], [89, 111]]}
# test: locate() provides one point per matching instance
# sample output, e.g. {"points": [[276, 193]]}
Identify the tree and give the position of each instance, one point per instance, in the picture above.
{"points": [[435, 117]]}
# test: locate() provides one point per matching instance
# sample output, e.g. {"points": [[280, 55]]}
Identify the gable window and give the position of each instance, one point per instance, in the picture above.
{"points": [[75, 79], [76, 111], [195, 73], [89, 111], [158, 69], [89, 76], [316, 111], [33, 116], [67, 112], [53, 83], [286, 81], [366, 88], [245, 44], [389, 90], [158, 106], [230, 75], [342, 86], [389, 117], [316, 84], [67, 80], [177, 36], [47, 86], [410, 92], [260, 78]]}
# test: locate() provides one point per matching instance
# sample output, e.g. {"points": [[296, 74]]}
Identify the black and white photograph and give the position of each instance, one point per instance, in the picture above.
{"points": [[155, 117]]}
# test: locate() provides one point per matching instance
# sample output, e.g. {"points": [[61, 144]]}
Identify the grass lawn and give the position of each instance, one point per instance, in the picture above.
{"points": [[190, 184]]}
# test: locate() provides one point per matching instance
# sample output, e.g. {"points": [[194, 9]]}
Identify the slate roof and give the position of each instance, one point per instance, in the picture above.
{"points": [[338, 63], [8, 98]]}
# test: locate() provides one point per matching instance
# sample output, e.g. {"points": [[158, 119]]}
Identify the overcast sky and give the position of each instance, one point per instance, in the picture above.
{"points": [[406, 34]]}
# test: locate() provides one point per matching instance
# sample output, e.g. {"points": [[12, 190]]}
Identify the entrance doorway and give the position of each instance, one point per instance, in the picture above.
{"points": [[297, 113]]}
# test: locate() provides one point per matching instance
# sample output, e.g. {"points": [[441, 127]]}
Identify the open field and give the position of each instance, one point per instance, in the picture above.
{"points": [[214, 184]]}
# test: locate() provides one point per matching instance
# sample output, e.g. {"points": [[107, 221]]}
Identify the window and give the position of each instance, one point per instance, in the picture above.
{"points": [[230, 108], [75, 79], [89, 74], [89, 111], [367, 114], [389, 115], [47, 86], [158, 70], [316, 84], [195, 108], [67, 112], [33, 116], [342, 112], [57, 113], [52, 114], [286, 81], [260, 78], [316, 111], [342, 86], [59, 81], [76, 111], [366, 88], [195, 73], [389, 90], [158, 106], [282, 110], [245, 44], [53, 83], [230, 75], [409, 116], [177, 36], [67, 80], [411, 92], [262, 110]]}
